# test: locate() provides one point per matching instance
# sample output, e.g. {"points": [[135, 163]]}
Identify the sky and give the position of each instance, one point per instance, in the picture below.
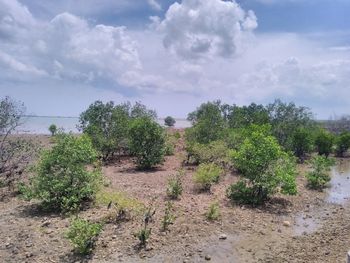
{"points": [[57, 57]]}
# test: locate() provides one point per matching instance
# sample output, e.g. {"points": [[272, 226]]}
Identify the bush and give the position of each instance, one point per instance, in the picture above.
{"points": [[208, 123], [265, 167], [169, 121], [319, 176], [170, 144], [53, 129], [301, 143], [342, 143], [214, 152], [174, 189], [63, 180], [168, 217], [147, 142], [213, 212], [15, 153], [82, 234], [107, 126], [324, 142], [206, 175]]}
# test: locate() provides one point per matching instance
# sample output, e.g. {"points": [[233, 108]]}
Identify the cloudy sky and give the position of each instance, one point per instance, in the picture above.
{"points": [[59, 56]]}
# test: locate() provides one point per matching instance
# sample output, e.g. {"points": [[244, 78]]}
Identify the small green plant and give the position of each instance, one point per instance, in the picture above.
{"points": [[168, 217], [174, 189], [83, 234], [169, 121], [53, 129], [206, 175], [319, 176], [213, 212], [145, 232], [177, 135]]}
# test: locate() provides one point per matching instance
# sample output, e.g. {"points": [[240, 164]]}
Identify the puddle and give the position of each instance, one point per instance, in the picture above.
{"points": [[339, 192]]}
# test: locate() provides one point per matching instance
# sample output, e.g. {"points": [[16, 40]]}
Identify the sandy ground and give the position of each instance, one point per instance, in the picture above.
{"points": [[316, 231]]}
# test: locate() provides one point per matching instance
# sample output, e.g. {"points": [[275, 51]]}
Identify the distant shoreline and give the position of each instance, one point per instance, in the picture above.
{"points": [[73, 117]]}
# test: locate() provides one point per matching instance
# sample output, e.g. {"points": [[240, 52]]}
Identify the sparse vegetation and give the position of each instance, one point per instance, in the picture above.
{"points": [[174, 189], [15, 152], [168, 217], [83, 234], [319, 175], [206, 175], [213, 212]]}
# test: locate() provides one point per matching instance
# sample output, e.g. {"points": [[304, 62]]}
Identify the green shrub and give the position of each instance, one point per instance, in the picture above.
{"points": [[319, 176], [208, 123], [265, 167], [169, 121], [168, 217], [63, 180], [174, 189], [147, 142], [143, 235], [53, 129], [82, 234], [213, 212], [214, 152], [342, 143], [170, 144], [301, 142], [324, 142], [107, 126], [206, 175]]}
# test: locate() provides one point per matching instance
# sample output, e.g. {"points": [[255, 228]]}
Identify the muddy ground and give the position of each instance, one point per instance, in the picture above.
{"points": [[302, 228]]}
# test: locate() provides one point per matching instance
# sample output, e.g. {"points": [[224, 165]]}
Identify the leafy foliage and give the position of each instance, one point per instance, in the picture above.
{"points": [[82, 234], [265, 167], [206, 175], [208, 123], [147, 142], [342, 143], [241, 117], [174, 189], [63, 180], [324, 142], [285, 118], [319, 176], [169, 121], [302, 142]]}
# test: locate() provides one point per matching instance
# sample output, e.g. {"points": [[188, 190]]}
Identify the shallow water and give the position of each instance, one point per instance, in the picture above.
{"points": [[339, 191], [40, 125]]}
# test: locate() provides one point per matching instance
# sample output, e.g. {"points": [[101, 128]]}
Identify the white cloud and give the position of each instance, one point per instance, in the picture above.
{"points": [[155, 5], [195, 28]]}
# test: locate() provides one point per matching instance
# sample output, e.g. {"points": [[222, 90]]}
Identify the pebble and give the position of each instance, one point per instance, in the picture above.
{"points": [[286, 223], [207, 257], [223, 237]]}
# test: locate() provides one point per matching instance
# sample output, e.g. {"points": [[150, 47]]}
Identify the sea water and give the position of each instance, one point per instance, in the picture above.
{"points": [[40, 124]]}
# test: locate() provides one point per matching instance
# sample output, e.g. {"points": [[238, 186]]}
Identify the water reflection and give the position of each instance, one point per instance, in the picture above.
{"points": [[339, 191]]}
